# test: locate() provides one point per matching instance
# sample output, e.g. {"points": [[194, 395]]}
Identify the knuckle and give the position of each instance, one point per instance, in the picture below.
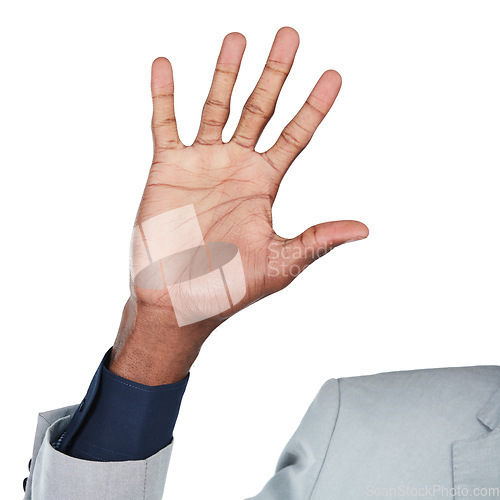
{"points": [[212, 123], [276, 67], [163, 95], [225, 71], [264, 113], [252, 107], [313, 108], [166, 145], [208, 142], [291, 138], [314, 236], [216, 103], [162, 123], [243, 141]]}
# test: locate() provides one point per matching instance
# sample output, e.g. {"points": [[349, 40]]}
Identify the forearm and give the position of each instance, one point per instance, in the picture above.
{"points": [[152, 349], [132, 404]]}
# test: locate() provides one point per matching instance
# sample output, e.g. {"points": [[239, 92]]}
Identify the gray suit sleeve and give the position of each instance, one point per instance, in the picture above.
{"points": [[54, 475], [302, 459]]}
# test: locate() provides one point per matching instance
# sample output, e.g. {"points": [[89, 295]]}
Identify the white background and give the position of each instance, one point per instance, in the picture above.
{"points": [[410, 148]]}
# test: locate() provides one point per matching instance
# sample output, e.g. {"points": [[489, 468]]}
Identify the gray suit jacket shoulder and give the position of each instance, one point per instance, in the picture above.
{"points": [[418, 433]]}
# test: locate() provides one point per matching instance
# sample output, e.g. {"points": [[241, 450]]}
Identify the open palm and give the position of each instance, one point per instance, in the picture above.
{"points": [[230, 185]]}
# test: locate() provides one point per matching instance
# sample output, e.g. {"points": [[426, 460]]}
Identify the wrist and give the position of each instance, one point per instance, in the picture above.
{"points": [[152, 349]]}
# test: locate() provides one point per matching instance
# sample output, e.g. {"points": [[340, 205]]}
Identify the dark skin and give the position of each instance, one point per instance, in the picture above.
{"points": [[232, 188]]}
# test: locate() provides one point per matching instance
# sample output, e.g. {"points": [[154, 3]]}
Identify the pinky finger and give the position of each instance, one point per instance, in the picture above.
{"points": [[163, 124]]}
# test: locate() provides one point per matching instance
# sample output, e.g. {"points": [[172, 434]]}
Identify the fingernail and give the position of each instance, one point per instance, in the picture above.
{"points": [[355, 239]]}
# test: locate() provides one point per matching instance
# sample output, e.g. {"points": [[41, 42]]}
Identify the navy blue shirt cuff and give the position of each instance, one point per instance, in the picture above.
{"points": [[122, 420]]}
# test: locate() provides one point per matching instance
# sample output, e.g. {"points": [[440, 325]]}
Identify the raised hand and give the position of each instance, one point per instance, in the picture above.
{"points": [[210, 203]]}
